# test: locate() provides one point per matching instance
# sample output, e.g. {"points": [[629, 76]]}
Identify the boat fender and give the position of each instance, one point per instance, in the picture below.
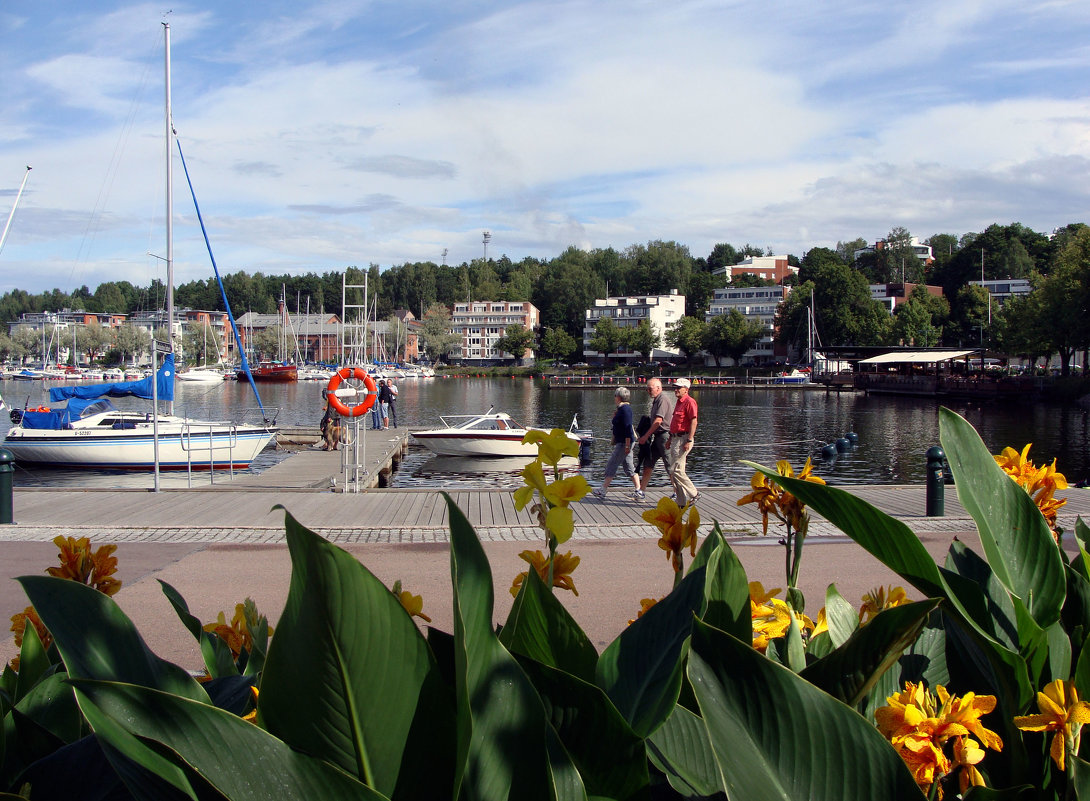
{"points": [[343, 374]]}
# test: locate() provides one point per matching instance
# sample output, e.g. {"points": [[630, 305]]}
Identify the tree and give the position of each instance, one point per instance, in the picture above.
{"points": [[687, 336], [844, 311], [608, 337], [26, 341], [95, 339], [266, 341], [750, 279], [516, 340], [435, 335], [912, 326], [969, 318], [200, 345], [558, 343], [643, 339], [129, 340], [722, 256], [846, 250], [731, 334], [397, 336]]}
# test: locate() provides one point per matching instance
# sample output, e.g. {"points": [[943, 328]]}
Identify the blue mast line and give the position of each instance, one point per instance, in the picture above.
{"points": [[223, 292]]}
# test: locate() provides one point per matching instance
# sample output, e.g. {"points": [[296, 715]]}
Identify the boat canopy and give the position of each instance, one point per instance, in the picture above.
{"points": [[919, 356], [60, 419], [122, 389]]}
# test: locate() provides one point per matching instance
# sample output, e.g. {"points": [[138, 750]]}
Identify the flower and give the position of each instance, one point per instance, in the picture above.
{"points": [[554, 513], [1061, 712], [18, 625], [552, 446], [563, 566], [1040, 482], [645, 604], [238, 634], [771, 499], [80, 563], [967, 755], [677, 532], [413, 604], [877, 601], [251, 716], [765, 494]]}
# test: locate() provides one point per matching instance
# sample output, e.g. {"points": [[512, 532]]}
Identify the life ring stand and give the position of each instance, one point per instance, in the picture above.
{"points": [[342, 375]]}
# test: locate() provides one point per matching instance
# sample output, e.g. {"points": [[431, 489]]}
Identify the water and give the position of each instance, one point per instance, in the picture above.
{"points": [[761, 426]]}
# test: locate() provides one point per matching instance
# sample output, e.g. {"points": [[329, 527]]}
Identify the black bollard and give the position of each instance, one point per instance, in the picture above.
{"points": [[936, 489], [7, 476]]}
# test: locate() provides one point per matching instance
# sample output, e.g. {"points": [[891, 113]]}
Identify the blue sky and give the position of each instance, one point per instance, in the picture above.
{"points": [[321, 135]]}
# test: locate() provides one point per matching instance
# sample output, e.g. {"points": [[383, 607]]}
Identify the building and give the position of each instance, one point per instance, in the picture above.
{"points": [[755, 303], [770, 268], [923, 252], [662, 312], [893, 295], [480, 323], [1003, 289]]}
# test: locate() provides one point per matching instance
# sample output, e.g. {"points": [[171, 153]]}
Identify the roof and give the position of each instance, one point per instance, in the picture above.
{"points": [[919, 356]]}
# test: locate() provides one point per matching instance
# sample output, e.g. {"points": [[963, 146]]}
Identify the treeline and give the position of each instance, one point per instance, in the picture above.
{"points": [[565, 286]]}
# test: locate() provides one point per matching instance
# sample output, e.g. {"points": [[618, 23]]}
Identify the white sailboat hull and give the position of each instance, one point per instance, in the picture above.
{"points": [[183, 444]]}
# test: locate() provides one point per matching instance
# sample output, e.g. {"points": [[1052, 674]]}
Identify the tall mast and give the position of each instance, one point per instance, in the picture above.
{"points": [[170, 198], [19, 194]]}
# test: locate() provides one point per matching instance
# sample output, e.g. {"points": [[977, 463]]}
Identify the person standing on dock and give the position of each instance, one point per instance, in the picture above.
{"points": [[384, 397], [390, 385], [621, 456], [682, 436], [376, 409], [661, 413]]}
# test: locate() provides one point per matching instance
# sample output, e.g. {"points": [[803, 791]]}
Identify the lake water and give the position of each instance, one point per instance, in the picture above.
{"points": [[735, 424]]}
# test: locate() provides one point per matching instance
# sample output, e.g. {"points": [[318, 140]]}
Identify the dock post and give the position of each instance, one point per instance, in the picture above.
{"points": [[936, 488], [7, 477]]}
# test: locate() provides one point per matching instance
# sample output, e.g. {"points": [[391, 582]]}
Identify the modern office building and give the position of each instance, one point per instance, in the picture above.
{"points": [[662, 312], [480, 323]]}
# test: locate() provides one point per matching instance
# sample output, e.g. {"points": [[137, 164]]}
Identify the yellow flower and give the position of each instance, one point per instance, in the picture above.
{"points": [[413, 604], [771, 621], [563, 566], [668, 518], [966, 711], [533, 477], [765, 494], [238, 634], [645, 604], [18, 625], [877, 601], [1061, 712], [251, 716], [791, 508], [1040, 482], [567, 490], [759, 595], [967, 755], [552, 446], [80, 563]]}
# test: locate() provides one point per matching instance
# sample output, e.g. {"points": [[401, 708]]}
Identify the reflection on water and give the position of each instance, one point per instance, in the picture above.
{"points": [[421, 468], [735, 425]]}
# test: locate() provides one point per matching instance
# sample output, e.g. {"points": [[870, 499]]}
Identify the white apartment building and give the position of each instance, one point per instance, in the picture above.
{"points": [[923, 252], [1003, 289], [770, 268], [661, 311], [481, 322], [755, 303]]}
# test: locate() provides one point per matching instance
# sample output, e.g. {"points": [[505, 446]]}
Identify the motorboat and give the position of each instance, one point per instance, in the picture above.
{"points": [[793, 376], [90, 432], [491, 434], [203, 375]]}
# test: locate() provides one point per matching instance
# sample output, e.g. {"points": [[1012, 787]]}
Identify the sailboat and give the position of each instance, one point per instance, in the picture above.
{"points": [[204, 374], [90, 432]]}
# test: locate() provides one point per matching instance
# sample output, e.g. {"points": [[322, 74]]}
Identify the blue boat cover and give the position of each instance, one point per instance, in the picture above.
{"points": [[120, 389]]}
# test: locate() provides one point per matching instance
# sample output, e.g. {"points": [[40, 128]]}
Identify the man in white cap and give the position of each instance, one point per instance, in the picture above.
{"points": [[682, 436]]}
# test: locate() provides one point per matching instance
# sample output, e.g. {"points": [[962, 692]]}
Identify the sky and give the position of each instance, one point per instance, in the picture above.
{"points": [[321, 135]]}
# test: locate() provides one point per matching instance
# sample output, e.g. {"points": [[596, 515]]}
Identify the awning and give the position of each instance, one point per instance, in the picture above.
{"points": [[919, 356]]}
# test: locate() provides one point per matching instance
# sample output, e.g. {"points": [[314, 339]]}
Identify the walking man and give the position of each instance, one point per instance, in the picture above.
{"points": [[376, 409], [682, 436], [384, 401], [390, 385], [662, 412]]}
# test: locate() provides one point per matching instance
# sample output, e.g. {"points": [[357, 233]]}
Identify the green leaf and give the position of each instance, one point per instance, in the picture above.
{"points": [[641, 670], [541, 628], [345, 670], [840, 616], [210, 741], [1016, 539], [51, 706], [726, 592], [33, 661], [495, 698], [682, 750], [98, 641], [217, 655], [610, 757], [1075, 615], [1000, 606], [770, 731], [849, 672]]}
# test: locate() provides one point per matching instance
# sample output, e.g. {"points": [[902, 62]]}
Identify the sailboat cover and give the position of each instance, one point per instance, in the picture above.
{"points": [[80, 397]]}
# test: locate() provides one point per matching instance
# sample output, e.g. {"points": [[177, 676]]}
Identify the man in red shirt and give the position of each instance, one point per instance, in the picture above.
{"points": [[682, 436]]}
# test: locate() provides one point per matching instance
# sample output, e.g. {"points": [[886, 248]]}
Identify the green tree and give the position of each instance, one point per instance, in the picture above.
{"points": [[731, 334], [969, 316], [1019, 329], [687, 336], [129, 340], [643, 339], [200, 344], [722, 256], [1064, 298], [27, 342], [93, 340], [912, 326], [608, 338], [558, 343], [266, 341], [750, 279], [516, 340], [844, 312], [435, 336]]}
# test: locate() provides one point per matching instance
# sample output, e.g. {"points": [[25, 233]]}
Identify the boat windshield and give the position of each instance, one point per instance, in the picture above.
{"points": [[98, 407], [491, 422]]}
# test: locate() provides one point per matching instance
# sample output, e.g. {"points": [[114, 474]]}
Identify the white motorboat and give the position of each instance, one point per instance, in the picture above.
{"points": [[490, 434], [202, 375], [793, 376]]}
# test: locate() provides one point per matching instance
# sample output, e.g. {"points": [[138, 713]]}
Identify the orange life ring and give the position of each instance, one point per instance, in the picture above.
{"points": [[341, 375]]}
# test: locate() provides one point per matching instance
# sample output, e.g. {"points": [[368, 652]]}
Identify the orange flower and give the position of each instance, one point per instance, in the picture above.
{"points": [[878, 600], [677, 532], [765, 494], [80, 563], [238, 634], [1061, 712], [645, 604], [413, 604], [1040, 482], [563, 566], [18, 625]]}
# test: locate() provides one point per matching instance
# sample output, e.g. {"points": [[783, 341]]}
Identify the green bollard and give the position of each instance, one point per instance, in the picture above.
{"points": [[7, 476], [936, 488]]}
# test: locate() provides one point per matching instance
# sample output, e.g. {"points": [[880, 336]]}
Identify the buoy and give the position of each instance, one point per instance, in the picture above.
{"points": [[853, 438], [828, 451], [843, 445]]}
